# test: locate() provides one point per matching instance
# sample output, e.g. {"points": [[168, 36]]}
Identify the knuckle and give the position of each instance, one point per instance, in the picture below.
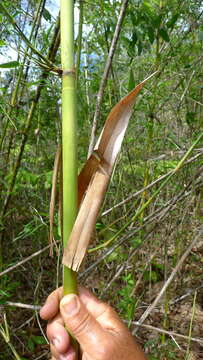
{"points": [[81, 327], [109, 311]]}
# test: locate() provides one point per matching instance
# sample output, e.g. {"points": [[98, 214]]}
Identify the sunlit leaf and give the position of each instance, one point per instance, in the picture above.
{"points": [[164, 34], [9, 65], [170, 24], [46, 15]]}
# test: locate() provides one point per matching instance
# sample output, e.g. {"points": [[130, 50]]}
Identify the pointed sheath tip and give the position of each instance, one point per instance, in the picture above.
{"points": [[73, 264], [150, 76]]}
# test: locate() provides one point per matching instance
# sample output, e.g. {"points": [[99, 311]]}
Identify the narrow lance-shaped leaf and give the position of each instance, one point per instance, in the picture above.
{"points": [[9, 65], [57, 164], [95, 176]]}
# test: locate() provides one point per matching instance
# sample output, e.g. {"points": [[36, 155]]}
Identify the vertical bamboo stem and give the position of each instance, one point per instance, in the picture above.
{"points": [[79, 43], [69, 145]]}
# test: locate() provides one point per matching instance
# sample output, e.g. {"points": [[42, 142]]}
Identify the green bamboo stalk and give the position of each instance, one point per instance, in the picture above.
{"points": [[69, 157]]}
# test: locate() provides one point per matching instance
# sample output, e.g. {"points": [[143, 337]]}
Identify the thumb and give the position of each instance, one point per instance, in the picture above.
{"points": [[87, 331]]}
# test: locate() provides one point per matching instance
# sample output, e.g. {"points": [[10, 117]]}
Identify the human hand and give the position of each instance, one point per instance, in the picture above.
{"points": [[95, 325]]}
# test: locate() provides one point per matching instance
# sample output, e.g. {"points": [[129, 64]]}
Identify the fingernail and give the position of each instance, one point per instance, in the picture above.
{"points": [[70, 304], [56, 342]]}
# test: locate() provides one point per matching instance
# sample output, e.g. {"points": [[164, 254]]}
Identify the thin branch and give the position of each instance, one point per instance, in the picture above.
{"points": [[131, 197], [22, 35], [186, 89], [106, 73], [125, 264], [171, 277], [148, 220], [189, 293], [13, 267], [23, 306], [170, 333]]}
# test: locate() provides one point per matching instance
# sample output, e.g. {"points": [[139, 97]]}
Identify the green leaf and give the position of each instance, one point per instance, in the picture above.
{"points": [[134, 38], [131, 81], [170, 24], [5, 293], [9, 65], [38, 340], [157, 20], [190, 117], [133, 18], [151, 35], [164, 34], [150, 276], [46, 15], [140, 48], [2, 301], [31, 345], [2, 43]]}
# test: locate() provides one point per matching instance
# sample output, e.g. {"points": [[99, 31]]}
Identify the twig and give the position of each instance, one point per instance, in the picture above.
{"points": [[170, 333], [149, 186], [190, 292], [23, 306], [40, 327], [106, 73], [171, 277], [24, 323], [148, 220], [125, 264], [13, 267], [186, 89]]}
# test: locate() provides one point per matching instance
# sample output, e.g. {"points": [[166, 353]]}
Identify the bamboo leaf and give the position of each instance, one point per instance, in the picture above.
{"points": [[53, 197], [95, 176], [131, 81], [9, 65], [170, 24], [164, 34], [46, 15]]}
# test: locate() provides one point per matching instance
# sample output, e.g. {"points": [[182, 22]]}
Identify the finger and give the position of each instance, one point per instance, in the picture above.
{"points": [[104, 313], [51, 306], [58, 335], [82, 324], [93, 305], [54, 352], [69, 355]]}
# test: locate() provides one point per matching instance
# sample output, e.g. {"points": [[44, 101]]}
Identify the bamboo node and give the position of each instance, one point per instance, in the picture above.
{"points": [[69, 72]]}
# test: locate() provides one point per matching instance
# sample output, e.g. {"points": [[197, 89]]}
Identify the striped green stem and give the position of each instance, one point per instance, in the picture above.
{"points": [[69, 143]]}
